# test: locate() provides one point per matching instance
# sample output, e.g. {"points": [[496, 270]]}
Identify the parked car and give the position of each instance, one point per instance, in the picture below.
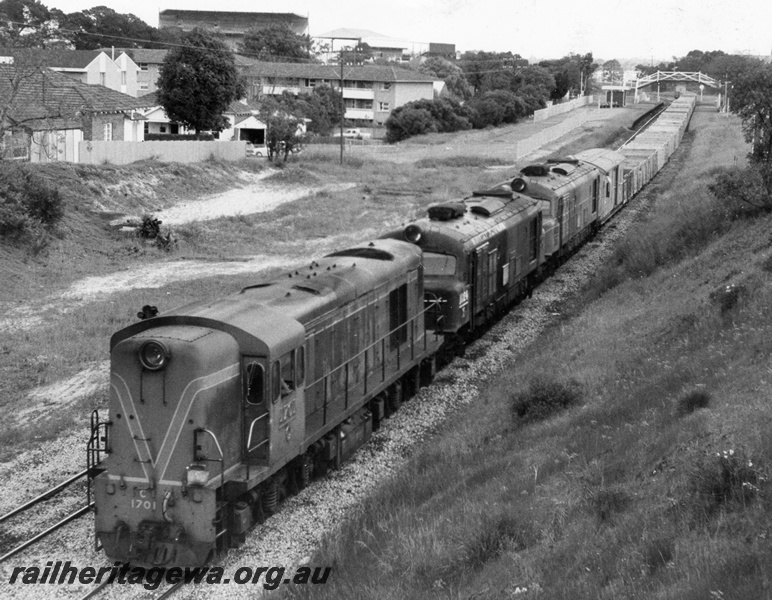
{"points": [[256, 150], [353, 133]]}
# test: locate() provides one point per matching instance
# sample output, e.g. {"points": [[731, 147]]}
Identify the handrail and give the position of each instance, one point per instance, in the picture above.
{"points": [[221, 460], [380, 340], [251, 430]]}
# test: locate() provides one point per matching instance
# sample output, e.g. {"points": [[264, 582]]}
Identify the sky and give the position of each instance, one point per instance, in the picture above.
{"points": [[622, 29]]}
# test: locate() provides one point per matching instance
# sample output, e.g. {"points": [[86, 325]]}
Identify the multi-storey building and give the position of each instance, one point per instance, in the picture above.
{"points": [[230, 25], [370, 92]]}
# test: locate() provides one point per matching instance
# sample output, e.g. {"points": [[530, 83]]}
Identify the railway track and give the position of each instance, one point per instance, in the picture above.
{"points": [[47, 495], [102, 586]]}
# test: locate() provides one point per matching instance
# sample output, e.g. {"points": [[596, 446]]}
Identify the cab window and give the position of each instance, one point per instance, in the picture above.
{"points": [[287, 370], [439, 264], [301, 367], [275, 381], [255, 383]]}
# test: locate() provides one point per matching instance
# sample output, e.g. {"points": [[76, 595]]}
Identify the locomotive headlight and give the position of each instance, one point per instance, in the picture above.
{"points": [[413, 234], [154, 356], [518, 185]]}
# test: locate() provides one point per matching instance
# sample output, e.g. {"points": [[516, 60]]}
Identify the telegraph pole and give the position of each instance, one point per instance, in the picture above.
{"points": [[343, 105]]}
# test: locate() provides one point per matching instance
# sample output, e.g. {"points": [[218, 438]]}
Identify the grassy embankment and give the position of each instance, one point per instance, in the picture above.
{"points": [[654, 482]]}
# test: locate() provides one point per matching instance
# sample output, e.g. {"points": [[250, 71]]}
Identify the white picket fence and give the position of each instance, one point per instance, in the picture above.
{"points": [[124, 153]]}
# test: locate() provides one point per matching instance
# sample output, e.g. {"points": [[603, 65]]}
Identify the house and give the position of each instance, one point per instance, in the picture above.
{"points": [[149, 62], [230, 25], [155, 120], [147, 66], [95, 67], [370, 92], [244, 125], [47, 113]]}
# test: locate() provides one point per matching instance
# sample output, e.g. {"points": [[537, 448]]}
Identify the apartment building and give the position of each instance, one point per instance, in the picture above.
{"points": [[230, 25], [370, 92]]}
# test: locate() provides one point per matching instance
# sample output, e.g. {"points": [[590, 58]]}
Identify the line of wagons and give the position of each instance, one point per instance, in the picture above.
{"points": [[218, 410]]}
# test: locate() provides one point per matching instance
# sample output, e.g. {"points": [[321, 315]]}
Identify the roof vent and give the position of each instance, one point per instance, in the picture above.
{"points": [[536, 170], [487, 207], [503, 190], [569, 160], [373, 253], [564, 169], [446, 212]]}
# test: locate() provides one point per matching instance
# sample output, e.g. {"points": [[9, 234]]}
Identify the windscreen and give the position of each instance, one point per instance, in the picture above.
{"points": [[438, 265]]}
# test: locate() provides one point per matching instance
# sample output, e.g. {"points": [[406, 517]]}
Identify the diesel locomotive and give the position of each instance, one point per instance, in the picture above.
{"points": [[218, 410]]}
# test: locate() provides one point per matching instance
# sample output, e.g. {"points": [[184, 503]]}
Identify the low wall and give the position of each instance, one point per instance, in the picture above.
{"points": [[549, 135], [123, 153], [559, 109]]}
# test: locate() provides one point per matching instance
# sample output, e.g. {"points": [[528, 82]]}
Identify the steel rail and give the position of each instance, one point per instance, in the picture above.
{"points": [[77, 514], [104, 584], [44, 496]]}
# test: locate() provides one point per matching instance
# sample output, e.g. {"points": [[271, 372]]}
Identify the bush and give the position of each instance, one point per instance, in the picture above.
{"points": [[28, 206], [604, 502], [149, 228], [427, 116], [486, 112], [745, 192], [408, 121], [545, 398], [726, 480], [692, 401], [496, 107]]}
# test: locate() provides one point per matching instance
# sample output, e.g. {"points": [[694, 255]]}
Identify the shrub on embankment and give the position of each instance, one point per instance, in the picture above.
{"points": [[29, 206]]}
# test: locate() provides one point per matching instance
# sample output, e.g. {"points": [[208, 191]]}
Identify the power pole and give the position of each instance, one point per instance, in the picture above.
{"points": [[343, 104]]}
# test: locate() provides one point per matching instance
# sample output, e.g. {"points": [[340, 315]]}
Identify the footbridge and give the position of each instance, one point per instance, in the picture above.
{"points": [[685, 76], [693, 77]]}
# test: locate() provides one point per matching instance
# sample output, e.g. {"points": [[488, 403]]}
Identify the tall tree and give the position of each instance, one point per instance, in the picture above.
{"points": [[283, 126], [450, 73], [478, 65], [277, 43], [358, 54], [613, 72], [27, 23], [198, 81], [751, 99], [102, 26]]}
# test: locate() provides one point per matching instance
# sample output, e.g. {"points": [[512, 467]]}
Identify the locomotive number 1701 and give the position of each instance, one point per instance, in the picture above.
{"points": [[143, 500]]}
